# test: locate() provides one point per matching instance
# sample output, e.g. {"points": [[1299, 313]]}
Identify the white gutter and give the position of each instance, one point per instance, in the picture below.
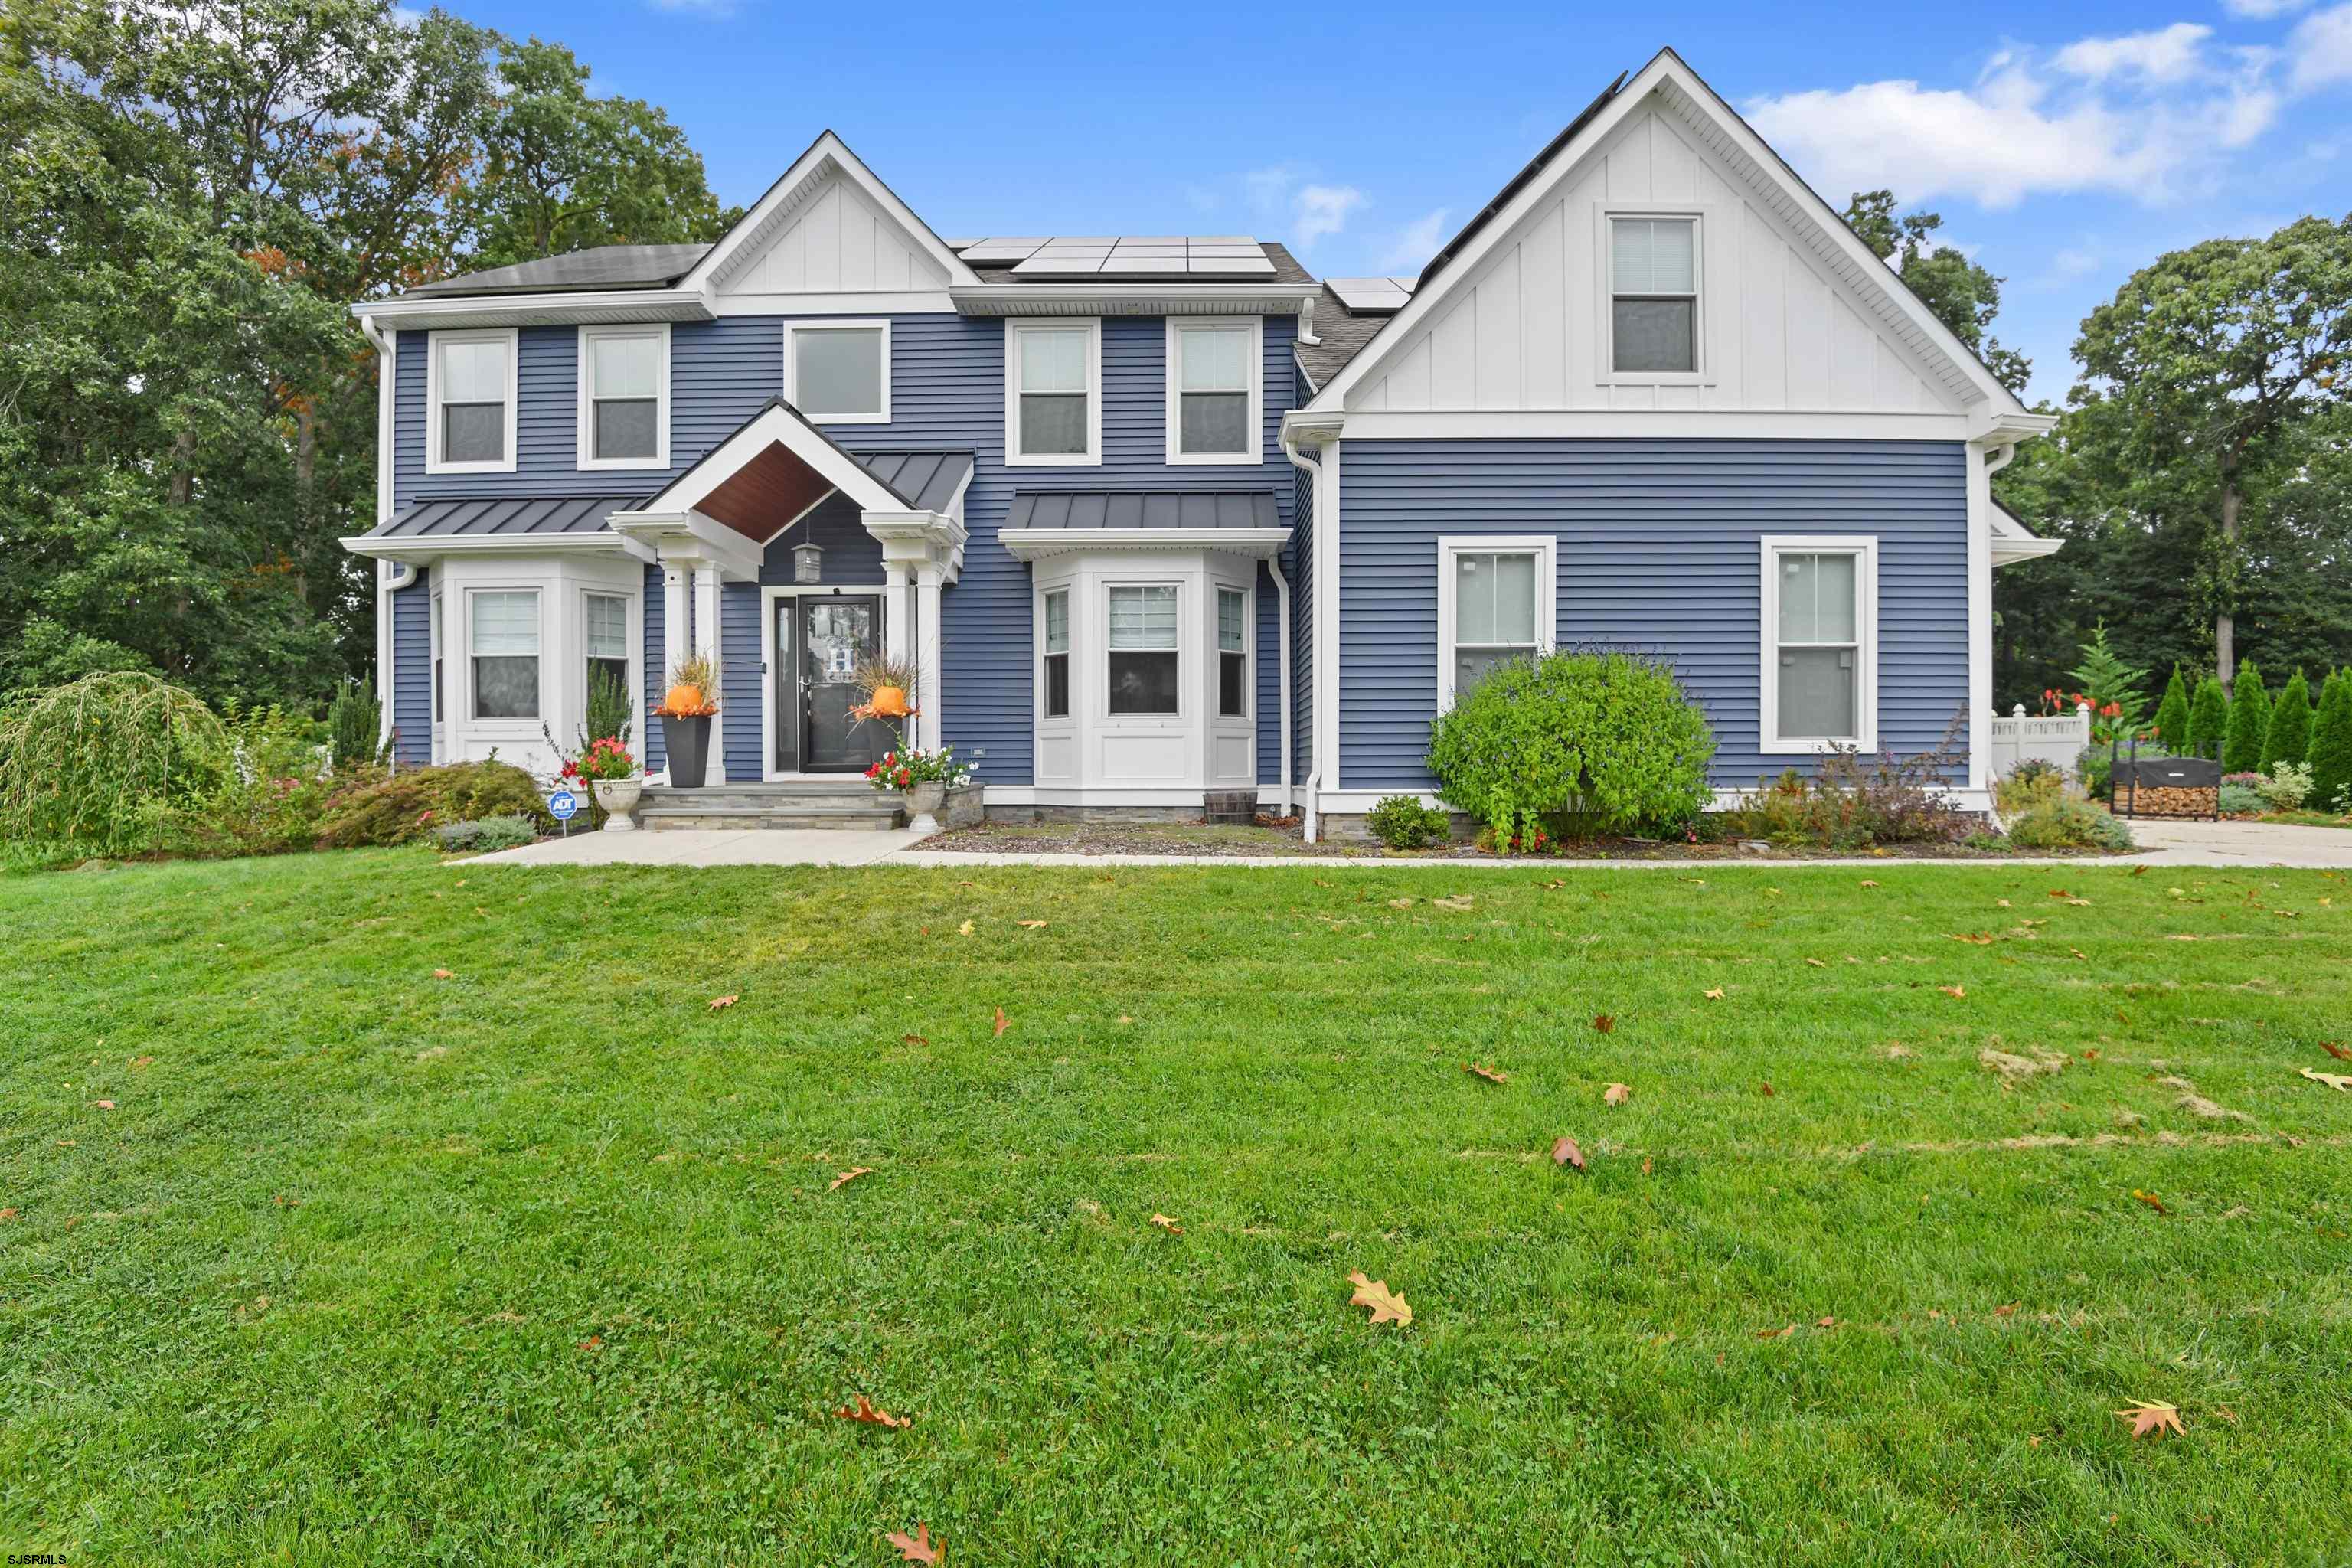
{"points": [[1293, 431], [410, 313], [390, 576]]}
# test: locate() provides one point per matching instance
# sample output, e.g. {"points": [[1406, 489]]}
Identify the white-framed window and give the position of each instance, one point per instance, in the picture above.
{"points": [[1053, 392], [1821, 642], [1233, 653], [624, 397], [503, 627], [432, 633], [1215, 408], [1054, 700], [1142, 651], [838, 371], [605, 641], [1653, 322], [1494, 603], [470, 390]]}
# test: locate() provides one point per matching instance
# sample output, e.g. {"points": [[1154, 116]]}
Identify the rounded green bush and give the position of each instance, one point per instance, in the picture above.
{"points": [[409, 805], [2068, 823], [1402, 822], [1609, 738]]}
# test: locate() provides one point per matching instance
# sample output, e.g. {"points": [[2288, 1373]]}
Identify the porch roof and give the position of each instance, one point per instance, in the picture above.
{"points": [[478, 517], [1143, 510]]}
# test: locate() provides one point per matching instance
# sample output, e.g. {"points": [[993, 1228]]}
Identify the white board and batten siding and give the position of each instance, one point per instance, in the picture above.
{"points": [[1526, 331], [840, 242]]}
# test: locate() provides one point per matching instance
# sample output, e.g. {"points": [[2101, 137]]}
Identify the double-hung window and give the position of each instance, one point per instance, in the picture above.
{"points": [[839, 373], [624, 397], [433, 632], [1232, 654], [1212, 390], [1494, 604], [505, 633], [470, 390], [1058, 653], [1142, 668], [1820, 614], [605, 632], [1654, 296], [1053, 373]]}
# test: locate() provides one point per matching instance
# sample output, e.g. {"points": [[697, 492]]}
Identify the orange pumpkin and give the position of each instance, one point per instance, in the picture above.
{"points": [[683, 699], [890, 702]]}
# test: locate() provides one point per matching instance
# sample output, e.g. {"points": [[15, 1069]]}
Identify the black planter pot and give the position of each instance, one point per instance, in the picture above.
{"points": [[687, 742]]}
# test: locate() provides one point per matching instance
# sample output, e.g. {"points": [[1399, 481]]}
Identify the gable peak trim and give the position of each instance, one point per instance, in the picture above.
{"points": [[828, 158]]}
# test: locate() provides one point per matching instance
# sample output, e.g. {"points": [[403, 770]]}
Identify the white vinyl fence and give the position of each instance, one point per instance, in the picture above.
{"points": [[2058, 739]]}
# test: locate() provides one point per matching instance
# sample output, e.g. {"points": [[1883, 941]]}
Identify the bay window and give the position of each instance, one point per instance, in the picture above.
{"points": [[1053, 413], [1232, 654], [1212, 391], [623, 397], [1819, 614], [505, 652], [1494, 604], [470, 381], [1058, 653], [604, 632], [1142, 651]]}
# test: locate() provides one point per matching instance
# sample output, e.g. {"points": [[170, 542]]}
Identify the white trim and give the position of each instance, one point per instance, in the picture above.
{"points": [[1042, 543], [1253, 453], [1098, 794], [1248, 650], [1092, 457], [512, 339], [827, 157], [1066, 722], [1769, 741], [437, 625], [837, 324], [1980, 521], [554, 307], [426, 548], [538, 592], [584, 423], [1544, 547], [1731, 425], [1356, 802], [775, 425], [913, 303], [1604, 220], [1134, 298], [1326, 617], [387, 399]]}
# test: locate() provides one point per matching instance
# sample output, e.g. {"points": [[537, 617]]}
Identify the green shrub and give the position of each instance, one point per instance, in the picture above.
{"points": [[406, 806], [1852, 802], [2285, 787], [2209, 718], [354, 726], [609, 707], [1606, 737], [486, 835], [2109, 682], [2095, 765], [2331, 742], [2028, 784], [2240, 800], [114, 764], [2250, 722], [2287, 737], [2172, 715], [2069, 823], [1402, 822], [277, 787]]}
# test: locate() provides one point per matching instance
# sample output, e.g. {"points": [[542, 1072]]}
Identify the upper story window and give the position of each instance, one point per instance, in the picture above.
{"points": [[1821, 636], [505, 652], [839, 373], [1654, 296], [1058, 653], [624, 397], [1213, 374], [1494, 603], [470, 379], [1052, 404], [1143, 650]]}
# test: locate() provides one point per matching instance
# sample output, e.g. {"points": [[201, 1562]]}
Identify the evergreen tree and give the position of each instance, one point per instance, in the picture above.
{"points": [[2331, 746], [2250, 722], [2209, 718], [2172, 715], [2287, 738]]}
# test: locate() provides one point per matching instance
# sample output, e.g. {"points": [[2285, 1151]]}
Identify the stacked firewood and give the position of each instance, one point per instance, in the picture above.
{"points": [[2170, 801]]}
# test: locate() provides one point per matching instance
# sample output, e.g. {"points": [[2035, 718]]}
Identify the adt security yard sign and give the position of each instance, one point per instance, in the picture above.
{"points": [[563, 805]]}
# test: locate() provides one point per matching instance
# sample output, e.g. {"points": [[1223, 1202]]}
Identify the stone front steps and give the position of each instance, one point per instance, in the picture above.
{"points": [[793, 803]]}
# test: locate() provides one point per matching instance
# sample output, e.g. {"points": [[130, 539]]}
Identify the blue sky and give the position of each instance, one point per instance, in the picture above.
{"points": [[2065, 145]]}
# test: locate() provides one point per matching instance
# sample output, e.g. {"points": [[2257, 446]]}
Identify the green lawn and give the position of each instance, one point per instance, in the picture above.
{"points": [[537, 1263]]}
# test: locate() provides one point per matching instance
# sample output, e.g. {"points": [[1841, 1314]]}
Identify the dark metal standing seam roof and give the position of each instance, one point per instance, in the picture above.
{"points": [[928, 479], [505, 515], [599, 267], [1143, 510]]}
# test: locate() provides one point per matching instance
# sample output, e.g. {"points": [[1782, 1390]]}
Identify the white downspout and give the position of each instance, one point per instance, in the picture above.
{"points": [[1313, 466], [390, 575], [1282, 601]]}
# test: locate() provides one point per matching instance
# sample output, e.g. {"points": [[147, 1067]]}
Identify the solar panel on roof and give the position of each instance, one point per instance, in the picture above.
{"points": [[1128, 255], [1368, 296]]}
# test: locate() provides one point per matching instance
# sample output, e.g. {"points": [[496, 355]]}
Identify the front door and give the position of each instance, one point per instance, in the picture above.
{"points": [[823, 638]]}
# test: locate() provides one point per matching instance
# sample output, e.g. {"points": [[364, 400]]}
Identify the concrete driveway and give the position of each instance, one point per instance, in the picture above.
{"points": [[2169, 843]]}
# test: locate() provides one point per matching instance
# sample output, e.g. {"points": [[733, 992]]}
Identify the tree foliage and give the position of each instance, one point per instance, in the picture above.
{"points": [[2250, 722], [1964, 296], [2172, 715], [2209, 718], [2331, 745], [2287, 737]]}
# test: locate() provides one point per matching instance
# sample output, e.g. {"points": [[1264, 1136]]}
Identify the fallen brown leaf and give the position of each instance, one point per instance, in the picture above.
{"points": [[1775, 1333], [2151, 1200], [913, 1040], [7, 1214], [2341, 1053], [2005, 1312], [1487, 1070], [1168, 1223], [2336, 1080], [720, 1003], [1565, 1154], [1617, 1094], [443, 975], [1767, 1090], [593, 1342], [1002, 1023], [919, 1547], [108, 1105], [2150, 1418], [1826, 1322], [1605, 1022], [1388, 1306], [965, 930], [1867, 884], [1716, 994], [1031, 925], [1815, 964], [848, 1176], [143, 1061], [1955, 991], [1978, 937], [864, 1411], [1645, 1167]]}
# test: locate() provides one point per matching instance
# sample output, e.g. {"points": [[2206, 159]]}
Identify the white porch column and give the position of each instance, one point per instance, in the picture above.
{"points": [[928, 579], [706, 644], [675, 616], [894, 640]]}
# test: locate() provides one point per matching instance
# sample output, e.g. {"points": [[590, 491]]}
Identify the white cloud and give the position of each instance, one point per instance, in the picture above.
{"points": [[1410, 251], [1320, 210], [2142, 115], [2261, 10], [2321, 46], [2167, 54]]}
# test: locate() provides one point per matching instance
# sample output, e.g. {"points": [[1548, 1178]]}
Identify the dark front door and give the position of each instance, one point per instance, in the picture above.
{"points": [[824, 638]]}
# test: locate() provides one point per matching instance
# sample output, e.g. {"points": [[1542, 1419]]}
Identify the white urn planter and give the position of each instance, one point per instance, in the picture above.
{"points": [[923, 801], [619, 798]]}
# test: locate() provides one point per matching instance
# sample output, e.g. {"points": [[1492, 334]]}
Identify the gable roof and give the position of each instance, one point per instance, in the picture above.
{"points": [[828, 157], [1750, 160]]}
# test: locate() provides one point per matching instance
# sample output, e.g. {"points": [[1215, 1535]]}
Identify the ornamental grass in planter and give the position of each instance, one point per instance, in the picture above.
{"points": [[686, 712]]}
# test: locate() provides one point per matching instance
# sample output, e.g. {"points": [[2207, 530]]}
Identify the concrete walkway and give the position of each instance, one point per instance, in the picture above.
{"points": [[2209, 844]]}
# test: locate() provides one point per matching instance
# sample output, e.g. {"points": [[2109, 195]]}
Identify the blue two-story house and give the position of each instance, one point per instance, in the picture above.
{"points": [[1160, 516]]}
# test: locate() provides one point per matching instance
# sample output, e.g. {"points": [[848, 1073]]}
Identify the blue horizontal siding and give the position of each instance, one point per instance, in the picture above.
{"points": [[410, 696], [655, 666], [1658, 548]]}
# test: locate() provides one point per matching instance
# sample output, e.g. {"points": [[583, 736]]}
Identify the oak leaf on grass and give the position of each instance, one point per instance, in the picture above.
{"points": [[2341, 1053], [919, 1547], [1168, 1223], [2151, 1200], [443, 975], [1716, 994], [1002, 1023], [1956, 992], [864, 1411], [2150, 1419], [720, 1003], [2336, 1080], [1617, 1094], [1388, 1306], [1031, 925], [1605, 1022], [848, 1176], [1487, 1070], [1567, 1155]]}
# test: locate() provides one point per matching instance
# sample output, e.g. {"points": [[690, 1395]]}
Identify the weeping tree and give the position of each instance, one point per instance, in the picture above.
{"points": [[112, 763]]}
